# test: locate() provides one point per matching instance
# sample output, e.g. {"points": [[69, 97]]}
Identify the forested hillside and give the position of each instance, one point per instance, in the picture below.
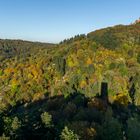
{"points": [[12, 48], [84, 88]]}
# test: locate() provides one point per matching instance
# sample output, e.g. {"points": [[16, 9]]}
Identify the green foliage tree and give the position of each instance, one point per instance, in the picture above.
{"points": [[133, 127], [3, 137], [16, 124], [67, 134], [46, 119], [12, 127], [111, 129]]}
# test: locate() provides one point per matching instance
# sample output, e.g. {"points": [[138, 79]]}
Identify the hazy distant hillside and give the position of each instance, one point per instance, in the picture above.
{"points": [[9, 48], [85, 88]]}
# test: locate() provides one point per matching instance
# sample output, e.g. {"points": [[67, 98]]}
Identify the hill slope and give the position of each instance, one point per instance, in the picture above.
{"points": [[10, 48], [89, 82], [116, 36]]}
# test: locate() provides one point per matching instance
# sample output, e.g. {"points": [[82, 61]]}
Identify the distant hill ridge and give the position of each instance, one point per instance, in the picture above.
{"points": [[110, 37], [9, 48], [114, 37]]}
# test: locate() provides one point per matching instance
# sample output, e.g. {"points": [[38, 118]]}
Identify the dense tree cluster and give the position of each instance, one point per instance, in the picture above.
{"points": [[52, 91]]}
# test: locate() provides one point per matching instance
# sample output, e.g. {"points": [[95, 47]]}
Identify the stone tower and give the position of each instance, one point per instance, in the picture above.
{"points": [[104, 91]]}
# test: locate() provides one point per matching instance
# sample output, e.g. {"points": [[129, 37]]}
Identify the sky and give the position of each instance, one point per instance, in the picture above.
{"points": [[55, 20]]}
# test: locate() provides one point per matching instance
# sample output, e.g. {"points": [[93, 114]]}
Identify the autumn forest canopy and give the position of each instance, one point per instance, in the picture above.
{"points": [[84, 88]]}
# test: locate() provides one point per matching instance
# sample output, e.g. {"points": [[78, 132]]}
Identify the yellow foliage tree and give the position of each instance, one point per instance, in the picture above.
{"points": [[89, 61], [121, 99]]}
